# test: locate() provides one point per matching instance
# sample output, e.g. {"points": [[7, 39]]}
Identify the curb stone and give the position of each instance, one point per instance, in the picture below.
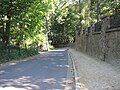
{"points": [[74, 72]]}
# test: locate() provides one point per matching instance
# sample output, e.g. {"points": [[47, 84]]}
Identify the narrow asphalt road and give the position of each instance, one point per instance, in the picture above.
{"points": [[47, 71]]}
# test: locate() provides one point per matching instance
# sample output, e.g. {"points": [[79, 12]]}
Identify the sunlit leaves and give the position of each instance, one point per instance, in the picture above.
{"points": [[27, 17], [65, 22]]}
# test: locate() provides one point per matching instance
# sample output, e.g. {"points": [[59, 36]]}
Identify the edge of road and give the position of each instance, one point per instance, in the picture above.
{"points": [[72, 73], [69, 78], [75, 74]]}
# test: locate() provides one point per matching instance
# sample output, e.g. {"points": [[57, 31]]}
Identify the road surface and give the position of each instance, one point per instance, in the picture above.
{"points": [[46, 71]]}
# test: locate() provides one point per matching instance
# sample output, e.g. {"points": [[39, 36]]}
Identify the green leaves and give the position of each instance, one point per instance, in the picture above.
{"points": [[64, 23], [26, 18]]}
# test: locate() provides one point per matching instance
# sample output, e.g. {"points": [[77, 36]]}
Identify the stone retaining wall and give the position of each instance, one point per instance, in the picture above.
{"points": [[103, 45]]}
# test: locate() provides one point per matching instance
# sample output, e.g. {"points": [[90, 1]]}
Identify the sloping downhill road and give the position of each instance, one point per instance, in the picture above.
{"points": [[46, 71]]}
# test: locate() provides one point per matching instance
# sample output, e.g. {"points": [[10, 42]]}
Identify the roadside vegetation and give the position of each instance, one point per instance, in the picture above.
{"points": [[24, 23], [16, 53]]}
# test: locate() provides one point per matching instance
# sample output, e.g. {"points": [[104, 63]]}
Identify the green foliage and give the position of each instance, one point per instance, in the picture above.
{"points": [[91, 10], [64, 23], [26, 19], [69, 17], [15, 53], [20, 21]]}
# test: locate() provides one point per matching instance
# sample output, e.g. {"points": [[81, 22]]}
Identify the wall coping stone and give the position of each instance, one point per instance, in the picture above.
{"points": [[113, 30]]}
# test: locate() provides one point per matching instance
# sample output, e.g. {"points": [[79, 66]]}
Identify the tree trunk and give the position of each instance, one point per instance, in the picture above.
{"points": [[98, 10], [2, 29], [80, 9], [7, 36]]}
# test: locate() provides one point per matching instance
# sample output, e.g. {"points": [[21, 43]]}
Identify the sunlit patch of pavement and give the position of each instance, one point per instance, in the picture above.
{"points": [[11, 88]]}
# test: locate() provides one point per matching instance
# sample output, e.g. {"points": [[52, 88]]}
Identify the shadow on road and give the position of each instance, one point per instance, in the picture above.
{"points": [[47, 71]]}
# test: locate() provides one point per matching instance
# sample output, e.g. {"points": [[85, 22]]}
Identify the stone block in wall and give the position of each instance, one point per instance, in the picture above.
{"points": [[111, 21], [113, 47], [98, 26], [105, 23], [115, 21]]}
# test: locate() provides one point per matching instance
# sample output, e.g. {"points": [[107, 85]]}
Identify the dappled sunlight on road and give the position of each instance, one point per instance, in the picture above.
{"points": [[47, 71], [2, 71], [59, 49], [55, 50], [26, 83], [49, 81], [23, 82], [12, 64], [83, 87], [11, 88]]}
